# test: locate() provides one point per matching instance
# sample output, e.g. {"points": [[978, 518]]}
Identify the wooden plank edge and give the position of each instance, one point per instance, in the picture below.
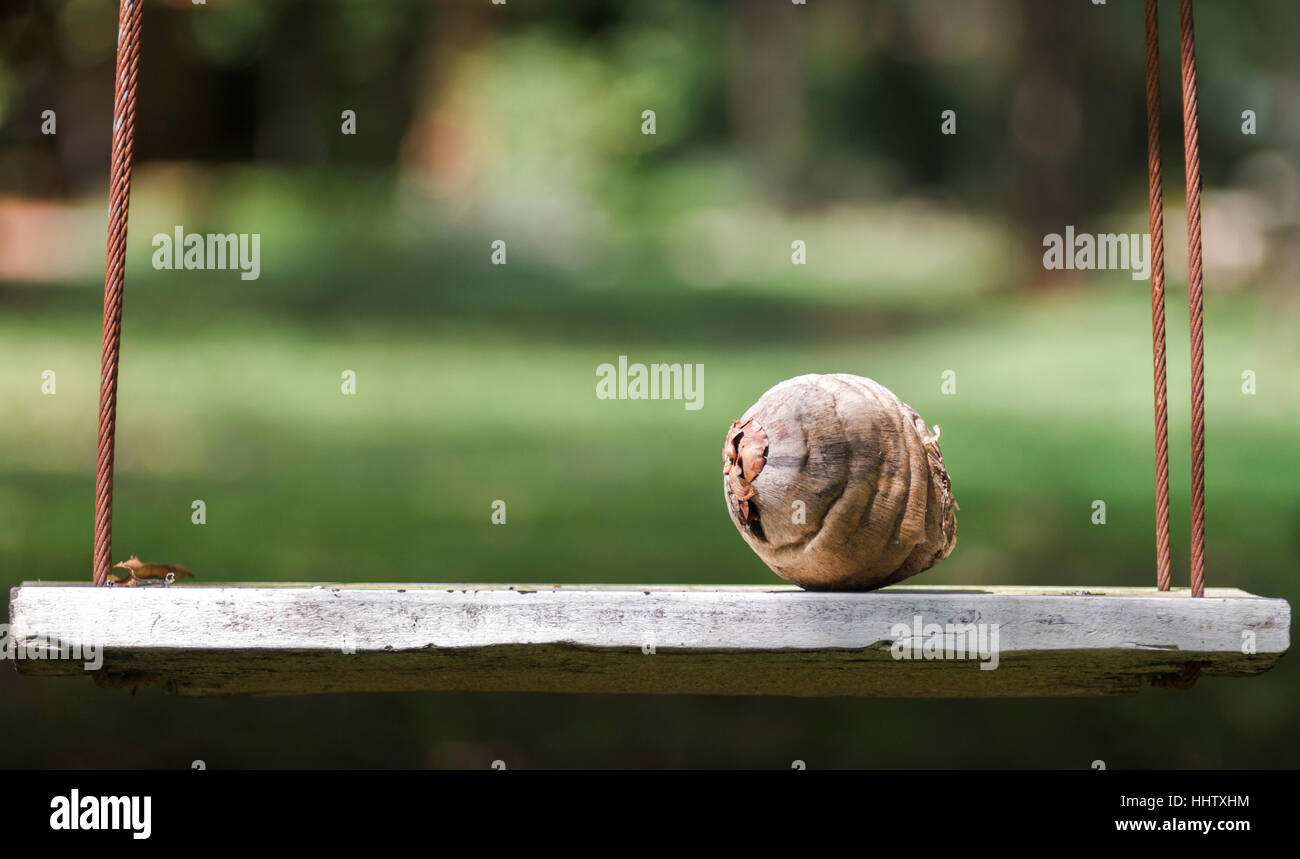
{"points": [[562, 666]]}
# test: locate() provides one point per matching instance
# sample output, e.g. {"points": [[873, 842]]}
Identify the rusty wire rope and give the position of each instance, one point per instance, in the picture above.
{"points": [[1157, 219], [119, 199], [1195, 288]]}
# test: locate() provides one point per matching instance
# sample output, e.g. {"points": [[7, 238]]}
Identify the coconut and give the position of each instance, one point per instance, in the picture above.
{"points": [[837, 484]]}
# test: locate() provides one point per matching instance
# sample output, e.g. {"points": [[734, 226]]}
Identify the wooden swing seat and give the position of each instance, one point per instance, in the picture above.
{"points": [[280, 639]]}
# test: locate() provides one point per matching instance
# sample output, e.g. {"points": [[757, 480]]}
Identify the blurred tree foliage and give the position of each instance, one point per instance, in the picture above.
{"points": [[820, 102]]}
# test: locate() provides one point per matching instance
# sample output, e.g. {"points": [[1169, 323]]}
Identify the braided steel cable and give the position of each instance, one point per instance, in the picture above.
{"points": [[1195, 290], [119, 199], [1157, 221]]}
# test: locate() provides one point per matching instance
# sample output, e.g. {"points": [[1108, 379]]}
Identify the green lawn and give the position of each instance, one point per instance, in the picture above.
{"points": [[396, 483]]}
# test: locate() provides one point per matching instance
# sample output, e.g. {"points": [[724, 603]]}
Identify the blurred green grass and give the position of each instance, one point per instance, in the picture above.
{"points": [[396, 483]]}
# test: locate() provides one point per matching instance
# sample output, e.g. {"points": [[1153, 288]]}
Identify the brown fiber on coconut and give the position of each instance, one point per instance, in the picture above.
{"points": [[838, 484]]}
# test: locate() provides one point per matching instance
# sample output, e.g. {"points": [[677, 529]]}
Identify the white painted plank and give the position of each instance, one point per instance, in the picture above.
{"points": [[726, 640]]}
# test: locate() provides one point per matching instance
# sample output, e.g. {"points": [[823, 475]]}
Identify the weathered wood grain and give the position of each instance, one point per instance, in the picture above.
{"points": [[274, 639]]}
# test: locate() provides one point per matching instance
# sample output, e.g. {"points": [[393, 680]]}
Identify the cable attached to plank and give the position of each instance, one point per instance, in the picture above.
{"points": [[119, 200], [1195, 291], [1157, 219]]}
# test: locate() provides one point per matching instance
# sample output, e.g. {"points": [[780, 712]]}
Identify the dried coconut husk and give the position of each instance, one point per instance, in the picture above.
{"points": [[877, 504]]}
